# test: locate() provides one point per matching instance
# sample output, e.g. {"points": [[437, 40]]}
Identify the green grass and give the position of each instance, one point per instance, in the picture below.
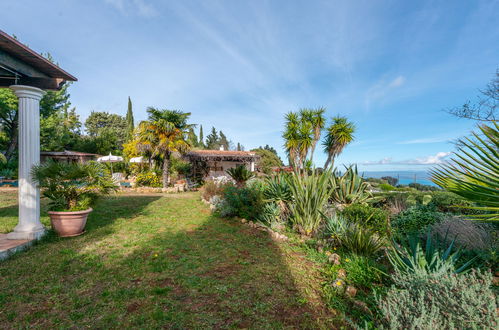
{"points": [[153, 261]]}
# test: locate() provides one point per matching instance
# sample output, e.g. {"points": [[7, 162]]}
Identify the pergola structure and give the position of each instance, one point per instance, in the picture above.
{"points": [[28, 74]]}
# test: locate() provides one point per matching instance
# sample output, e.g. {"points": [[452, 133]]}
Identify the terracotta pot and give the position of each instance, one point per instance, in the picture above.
{"points": [[68, 224]]}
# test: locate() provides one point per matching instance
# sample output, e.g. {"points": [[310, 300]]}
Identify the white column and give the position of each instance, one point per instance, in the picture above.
{"points": [[29, 226], [252, 166]]}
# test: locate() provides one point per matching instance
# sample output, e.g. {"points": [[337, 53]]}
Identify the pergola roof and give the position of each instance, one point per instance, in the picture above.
{"points": [[222, 155], [23, 66]]}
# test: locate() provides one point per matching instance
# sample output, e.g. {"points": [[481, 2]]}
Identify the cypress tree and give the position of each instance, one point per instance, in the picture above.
{"points": [[129, 120], [201, 137]]}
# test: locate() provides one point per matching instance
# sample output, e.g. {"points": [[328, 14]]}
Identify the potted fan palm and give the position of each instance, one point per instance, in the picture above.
{"points": [[72, 189]]}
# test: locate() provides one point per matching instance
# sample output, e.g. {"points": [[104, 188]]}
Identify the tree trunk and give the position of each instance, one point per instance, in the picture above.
{"points": [[166, 168], [327, 161], [13, 138]]}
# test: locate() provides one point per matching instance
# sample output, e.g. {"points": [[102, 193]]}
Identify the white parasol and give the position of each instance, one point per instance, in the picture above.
{"points": [[110, 159], [138, 160]]}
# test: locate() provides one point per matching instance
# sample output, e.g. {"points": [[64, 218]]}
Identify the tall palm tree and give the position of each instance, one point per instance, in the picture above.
{"points": [[339, 134], [298, 136], [163, 133], [291, 137], [316, 118]]}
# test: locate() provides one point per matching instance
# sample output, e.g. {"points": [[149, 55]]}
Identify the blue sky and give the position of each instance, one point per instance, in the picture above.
{"points": [[389, 66]]}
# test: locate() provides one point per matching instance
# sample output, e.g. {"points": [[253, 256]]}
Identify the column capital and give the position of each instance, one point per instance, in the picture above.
{"points": [[27, 92]]}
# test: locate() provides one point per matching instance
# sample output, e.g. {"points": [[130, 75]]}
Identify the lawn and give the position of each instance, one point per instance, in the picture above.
{"points": [[153, 261]]}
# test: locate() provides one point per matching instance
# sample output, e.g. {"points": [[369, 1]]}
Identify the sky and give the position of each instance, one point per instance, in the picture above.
{"points": [[391, 67]]}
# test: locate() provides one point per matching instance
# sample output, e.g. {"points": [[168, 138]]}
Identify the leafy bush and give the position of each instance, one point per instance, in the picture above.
{"points": [[349, 188], [148, 179], [245, 202], [372, 217], [448, 202], [361, 271], [334, 227], [212, 188], [310, 196], [72, 186], [360, 240], [415, 219], [411, 258], [464, 301], [386, 187]]}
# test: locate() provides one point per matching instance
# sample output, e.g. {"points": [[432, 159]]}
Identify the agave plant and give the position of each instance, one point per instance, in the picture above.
{"points": [[240, 174], [349, 188], [411, 258], [310, 197], [474, 172]]}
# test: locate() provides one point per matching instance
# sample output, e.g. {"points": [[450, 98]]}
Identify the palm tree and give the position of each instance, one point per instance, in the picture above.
{"points": [[163, 133], [291, 137], [298, 136], [318, 122], [339, 134], [474, 172]]}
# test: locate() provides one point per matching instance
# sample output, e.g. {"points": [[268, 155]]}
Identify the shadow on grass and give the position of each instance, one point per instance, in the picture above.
{"points": [[176, 266]]}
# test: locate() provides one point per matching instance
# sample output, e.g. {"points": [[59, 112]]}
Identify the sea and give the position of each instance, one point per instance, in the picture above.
{"points": [[405, 177]]}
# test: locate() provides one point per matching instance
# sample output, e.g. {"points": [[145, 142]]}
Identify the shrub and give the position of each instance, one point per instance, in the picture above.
{"points": [[361, 271], [334, 227], [448, 202], [415, 219], [464, 301], [372, 217], [471, 235], [148, 179], [386, 187], [212, 188], [246, 202]]}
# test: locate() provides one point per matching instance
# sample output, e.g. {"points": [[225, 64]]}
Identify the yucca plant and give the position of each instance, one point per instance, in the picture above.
{"points": [[349, 188], [310, 197], [411, 258], [72, 186], [361, 240], [240, 174], [474, 172]]}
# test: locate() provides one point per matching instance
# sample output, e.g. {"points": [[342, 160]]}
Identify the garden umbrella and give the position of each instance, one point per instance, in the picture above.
{"points": [[110, 159], [138, 160]]}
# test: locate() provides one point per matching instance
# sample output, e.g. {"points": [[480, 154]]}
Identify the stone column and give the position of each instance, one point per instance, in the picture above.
{"points": [[29, 226], [252, 166]]}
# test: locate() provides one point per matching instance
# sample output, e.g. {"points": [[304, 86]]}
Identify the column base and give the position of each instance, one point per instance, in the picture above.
{"points": [[27, 235]]}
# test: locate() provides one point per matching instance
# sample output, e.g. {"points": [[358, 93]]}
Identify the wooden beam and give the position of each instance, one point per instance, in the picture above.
{"points": [[19, 66], [42, 83]]}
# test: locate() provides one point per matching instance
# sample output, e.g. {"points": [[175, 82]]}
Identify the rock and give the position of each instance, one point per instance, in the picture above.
{"points": [[351, 291], [362, 305], [334, 259], [244, 220], [320, 249], [342, 273]]}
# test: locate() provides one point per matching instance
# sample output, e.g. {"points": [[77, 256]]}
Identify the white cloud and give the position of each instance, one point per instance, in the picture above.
{"points": [[381, 89], [140, 7], [438, 158], [427, 140]]}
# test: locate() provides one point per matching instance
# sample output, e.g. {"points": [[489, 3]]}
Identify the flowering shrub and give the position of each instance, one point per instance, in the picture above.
{"points": [[148, 179]]}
